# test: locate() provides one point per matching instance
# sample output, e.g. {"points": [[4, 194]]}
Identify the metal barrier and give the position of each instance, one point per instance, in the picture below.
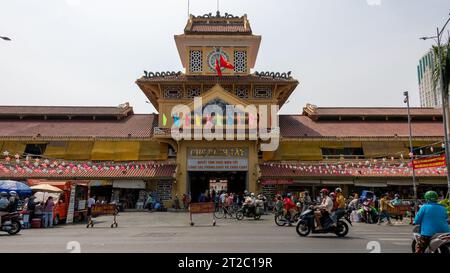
{"points": [[197, 208]]}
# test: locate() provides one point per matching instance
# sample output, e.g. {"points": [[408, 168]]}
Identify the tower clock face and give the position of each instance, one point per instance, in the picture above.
{"points": [[215, 55]]}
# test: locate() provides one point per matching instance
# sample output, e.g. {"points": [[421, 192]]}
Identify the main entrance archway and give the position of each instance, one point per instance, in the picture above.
{"points": [[230, 181]]}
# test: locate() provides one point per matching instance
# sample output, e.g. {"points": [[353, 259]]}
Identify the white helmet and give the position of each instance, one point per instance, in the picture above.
{"points": [[338, 190], [252, 194], [12, 193], [3, 193]]}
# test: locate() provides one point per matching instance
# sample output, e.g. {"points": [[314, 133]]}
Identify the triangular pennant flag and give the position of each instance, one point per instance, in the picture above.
{"points": [[230, 118], [164, 120], [251, 120], [198, 120], [176, 120], [187, 120], [208, 120]]}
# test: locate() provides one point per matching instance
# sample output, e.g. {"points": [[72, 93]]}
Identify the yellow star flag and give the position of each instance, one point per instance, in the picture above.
{"points": [[164, 120], [219, 120], [198, 120]]}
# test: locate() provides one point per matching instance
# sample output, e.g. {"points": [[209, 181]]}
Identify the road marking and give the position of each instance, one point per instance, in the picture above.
{"points": [[402, 244], [394, 239]]}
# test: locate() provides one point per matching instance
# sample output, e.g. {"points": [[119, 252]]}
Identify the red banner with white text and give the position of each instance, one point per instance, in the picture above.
{"points": [[429, 162]]}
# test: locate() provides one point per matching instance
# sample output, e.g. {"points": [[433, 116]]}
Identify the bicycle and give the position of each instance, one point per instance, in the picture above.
{"points": [[224, 211]]}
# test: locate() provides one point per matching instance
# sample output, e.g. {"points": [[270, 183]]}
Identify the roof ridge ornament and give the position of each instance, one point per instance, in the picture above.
{"points": [[148, 75], [210, 15], [275, 75]]}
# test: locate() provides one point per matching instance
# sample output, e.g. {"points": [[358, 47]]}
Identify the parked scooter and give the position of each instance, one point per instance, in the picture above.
{"points": [[11, 223], [282, 220], [306, 225], [440, 243]]}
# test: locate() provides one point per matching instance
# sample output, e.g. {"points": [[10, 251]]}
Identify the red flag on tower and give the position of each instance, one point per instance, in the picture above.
{"points": [[218, 69], [224, 63]]}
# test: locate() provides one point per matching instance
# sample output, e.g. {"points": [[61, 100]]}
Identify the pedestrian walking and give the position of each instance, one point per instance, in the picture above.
{"points": [[90, 203], [48, 212], [384, 205]]}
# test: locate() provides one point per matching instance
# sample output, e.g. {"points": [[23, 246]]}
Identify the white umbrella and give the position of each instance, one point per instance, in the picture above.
{"points": [[46, 188], [40, 196]]}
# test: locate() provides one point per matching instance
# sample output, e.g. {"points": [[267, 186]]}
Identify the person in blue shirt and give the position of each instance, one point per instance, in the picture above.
{"points": [[432, 219]]}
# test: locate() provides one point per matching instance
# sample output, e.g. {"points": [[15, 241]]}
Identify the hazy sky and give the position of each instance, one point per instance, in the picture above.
{"points": [[90, 52]]}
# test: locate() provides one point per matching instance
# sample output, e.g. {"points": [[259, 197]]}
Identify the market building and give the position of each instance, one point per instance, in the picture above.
{"points": [[122, 153]]}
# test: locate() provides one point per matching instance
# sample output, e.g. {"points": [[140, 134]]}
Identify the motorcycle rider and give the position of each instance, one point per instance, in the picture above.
{"points": [[324, 209], [4, 204], [249, 203], [278, 204], [340, 200], [432, 219], [13, 201], [289, 206]]}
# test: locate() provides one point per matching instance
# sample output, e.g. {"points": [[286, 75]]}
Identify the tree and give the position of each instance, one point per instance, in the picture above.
{"points": [[445, 63]]}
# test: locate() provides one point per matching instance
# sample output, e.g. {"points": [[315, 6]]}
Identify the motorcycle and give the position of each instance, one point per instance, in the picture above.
{"points": [[368, 213], [282, 220], [306, 225], [439, 243], [11, 223], [249, 212]]}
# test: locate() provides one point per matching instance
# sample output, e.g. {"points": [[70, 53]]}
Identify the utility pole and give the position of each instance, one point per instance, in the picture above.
{"points": [[411, 148]]}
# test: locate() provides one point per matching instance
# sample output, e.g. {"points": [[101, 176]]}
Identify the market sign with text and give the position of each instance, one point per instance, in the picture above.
{"points": [[277, 182], [429, 162], [217, 159]]}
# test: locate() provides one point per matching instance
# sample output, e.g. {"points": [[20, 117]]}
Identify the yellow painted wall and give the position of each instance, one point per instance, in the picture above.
{"points": [[79, 150], [312, 150], [56, 149], [14, 147]]}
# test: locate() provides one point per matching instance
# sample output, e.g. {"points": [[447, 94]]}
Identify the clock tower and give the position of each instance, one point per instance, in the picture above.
{"points": [[230, 164], [207, 37]]}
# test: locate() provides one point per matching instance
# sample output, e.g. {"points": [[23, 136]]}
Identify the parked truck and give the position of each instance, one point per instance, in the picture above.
{"points": [[62, 200]]}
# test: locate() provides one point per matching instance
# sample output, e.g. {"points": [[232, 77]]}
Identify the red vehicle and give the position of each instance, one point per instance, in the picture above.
{"points": [[62, 199]]}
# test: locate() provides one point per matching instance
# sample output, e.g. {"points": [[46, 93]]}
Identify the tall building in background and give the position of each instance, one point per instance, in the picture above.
{"points": [[429, 96]]}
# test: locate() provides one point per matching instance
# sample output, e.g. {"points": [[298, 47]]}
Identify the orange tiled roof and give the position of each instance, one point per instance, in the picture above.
{"points": [[142, 171], [304, 126], [134, 126]]}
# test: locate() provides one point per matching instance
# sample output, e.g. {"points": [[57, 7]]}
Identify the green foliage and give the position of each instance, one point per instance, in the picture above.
{"points": [[445, 61]]}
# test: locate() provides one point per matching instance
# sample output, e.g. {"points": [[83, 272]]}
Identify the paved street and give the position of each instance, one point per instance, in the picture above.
{"points": [[171, 232]]}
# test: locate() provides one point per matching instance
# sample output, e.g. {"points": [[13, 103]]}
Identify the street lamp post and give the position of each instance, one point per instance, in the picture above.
{"points": [[445, 98], [411, 149]]}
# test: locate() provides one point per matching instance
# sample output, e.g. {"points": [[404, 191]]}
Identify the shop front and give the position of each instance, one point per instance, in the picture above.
{"points": [[129, 194], [102, 190]]}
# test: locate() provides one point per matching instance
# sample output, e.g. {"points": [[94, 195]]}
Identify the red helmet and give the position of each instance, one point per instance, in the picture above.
{"points": [[324, 191]]}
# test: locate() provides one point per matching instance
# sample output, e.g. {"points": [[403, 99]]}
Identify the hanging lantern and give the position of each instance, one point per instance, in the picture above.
{"points": [[432, 149]]}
